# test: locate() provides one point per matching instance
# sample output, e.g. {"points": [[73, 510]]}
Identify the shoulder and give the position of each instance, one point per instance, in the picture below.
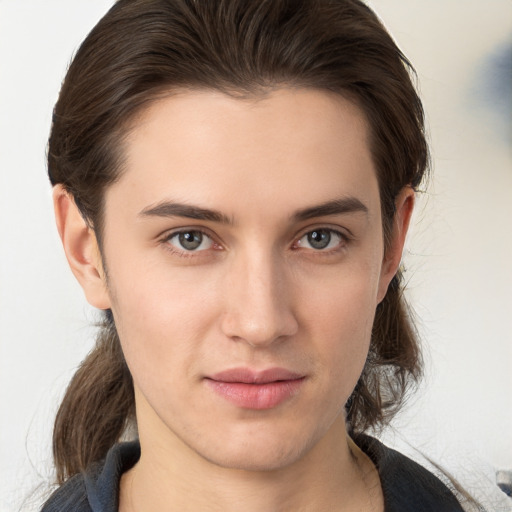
{"points": [[96, 489], [407, 485]]}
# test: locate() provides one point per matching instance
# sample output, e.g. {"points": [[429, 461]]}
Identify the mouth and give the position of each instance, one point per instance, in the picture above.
{"points": [[258, 390]]}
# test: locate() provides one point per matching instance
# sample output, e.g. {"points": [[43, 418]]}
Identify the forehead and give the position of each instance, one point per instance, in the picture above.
{"points": [[288, 148]]}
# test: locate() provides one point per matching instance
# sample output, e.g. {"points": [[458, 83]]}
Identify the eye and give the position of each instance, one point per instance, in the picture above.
{"points": [[321, 239], [190, 241]]}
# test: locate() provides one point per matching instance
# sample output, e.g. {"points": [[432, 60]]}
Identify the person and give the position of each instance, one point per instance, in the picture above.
{"points": [[233, 183]]}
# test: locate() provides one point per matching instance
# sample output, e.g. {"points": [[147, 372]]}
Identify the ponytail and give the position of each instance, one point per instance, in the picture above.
{"points": [[394, 364], [97, 407]]}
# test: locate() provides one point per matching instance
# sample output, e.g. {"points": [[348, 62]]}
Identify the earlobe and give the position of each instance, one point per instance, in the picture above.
{"points": [[404, 206], [81, 248]]}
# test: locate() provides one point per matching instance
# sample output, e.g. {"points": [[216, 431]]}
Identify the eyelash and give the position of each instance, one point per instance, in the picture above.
{"points": [[183, 253], [344, 239]]}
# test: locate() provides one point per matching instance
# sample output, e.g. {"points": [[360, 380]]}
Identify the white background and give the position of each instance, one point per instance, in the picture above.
{"points": [[459, 255]]}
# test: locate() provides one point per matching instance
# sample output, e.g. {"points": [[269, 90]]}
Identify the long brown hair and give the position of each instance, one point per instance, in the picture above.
{"points": [[144, 48]]}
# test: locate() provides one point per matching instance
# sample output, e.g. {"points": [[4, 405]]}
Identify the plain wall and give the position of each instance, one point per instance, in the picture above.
{"points": [[458, 259]]}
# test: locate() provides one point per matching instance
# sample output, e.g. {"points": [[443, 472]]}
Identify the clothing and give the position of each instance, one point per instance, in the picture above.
{"points": [[407, 486]]}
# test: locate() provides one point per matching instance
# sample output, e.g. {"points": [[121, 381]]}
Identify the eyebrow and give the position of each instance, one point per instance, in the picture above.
{"points": [[172, 209], [335, 207]]}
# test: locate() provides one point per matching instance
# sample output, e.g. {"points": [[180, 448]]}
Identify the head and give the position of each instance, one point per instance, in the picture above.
{"points": [[143, 54]]}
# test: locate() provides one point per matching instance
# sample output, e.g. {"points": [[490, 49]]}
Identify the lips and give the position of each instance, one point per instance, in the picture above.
{"points": [[257, 390]]}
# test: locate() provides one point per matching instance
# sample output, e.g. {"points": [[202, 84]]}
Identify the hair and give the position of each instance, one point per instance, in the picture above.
{"points": [[143, 49]]}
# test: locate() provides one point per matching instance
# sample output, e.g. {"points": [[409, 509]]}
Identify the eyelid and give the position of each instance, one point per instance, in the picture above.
{"points": [[340, 230], [169, 233]]}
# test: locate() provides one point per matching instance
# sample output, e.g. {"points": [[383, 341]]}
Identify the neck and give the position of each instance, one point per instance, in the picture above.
{"points": [[331, 476]]}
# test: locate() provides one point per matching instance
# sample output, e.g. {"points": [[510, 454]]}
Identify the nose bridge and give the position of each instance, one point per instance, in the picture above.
{"points": [[258, 306]]}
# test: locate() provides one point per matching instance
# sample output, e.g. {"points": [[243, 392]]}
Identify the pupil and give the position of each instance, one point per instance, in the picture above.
{"points": [[319, 239], [191, 240]]}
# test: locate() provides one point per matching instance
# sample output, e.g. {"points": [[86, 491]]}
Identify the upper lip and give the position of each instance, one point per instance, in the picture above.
{"points": [[248, 376]]}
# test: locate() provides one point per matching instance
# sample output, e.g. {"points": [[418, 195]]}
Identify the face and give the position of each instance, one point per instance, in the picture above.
{"points": [[244, 251]]}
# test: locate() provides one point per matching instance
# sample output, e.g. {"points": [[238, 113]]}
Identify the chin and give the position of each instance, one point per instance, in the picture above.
{"points": [[261, 452], [255, 460]]}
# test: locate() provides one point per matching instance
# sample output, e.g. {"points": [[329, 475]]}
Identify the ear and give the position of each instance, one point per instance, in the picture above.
{"points": [[81, 248], [404, 205]]}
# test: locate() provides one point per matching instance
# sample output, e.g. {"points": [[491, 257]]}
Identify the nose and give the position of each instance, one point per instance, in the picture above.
{"points": [[258, 302]]}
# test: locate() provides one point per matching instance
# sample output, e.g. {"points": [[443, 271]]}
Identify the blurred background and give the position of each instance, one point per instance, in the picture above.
{"points": [[458, 258]]}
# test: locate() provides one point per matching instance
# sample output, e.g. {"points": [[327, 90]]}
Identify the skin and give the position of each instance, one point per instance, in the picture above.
{"points": [[255, 294]]}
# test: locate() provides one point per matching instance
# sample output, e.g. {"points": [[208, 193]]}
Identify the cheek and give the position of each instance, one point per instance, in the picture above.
{"points": [[161, 318], [340, 317]]}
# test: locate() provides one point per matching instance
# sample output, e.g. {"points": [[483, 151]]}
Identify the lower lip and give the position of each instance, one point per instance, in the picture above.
{"points": [[256, 396]]}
